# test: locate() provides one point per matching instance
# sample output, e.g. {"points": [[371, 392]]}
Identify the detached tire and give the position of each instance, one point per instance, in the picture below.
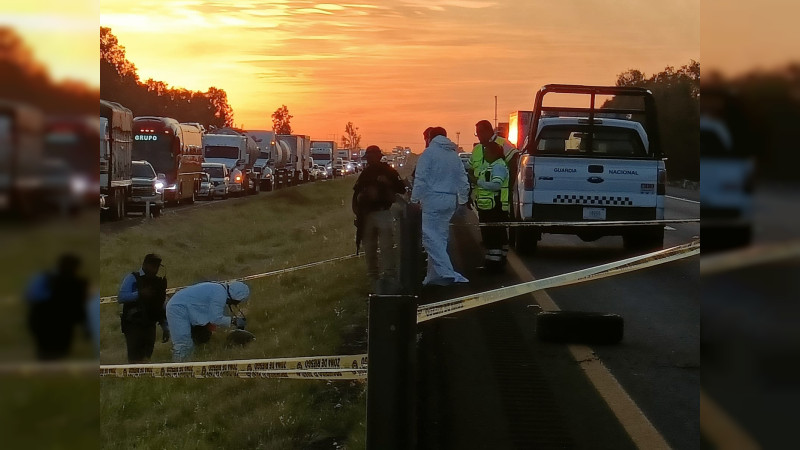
{"points": [[579, 327]]}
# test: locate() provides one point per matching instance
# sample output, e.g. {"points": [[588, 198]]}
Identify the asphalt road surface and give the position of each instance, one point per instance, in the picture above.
{"points": [[486, 381], [750, 337]]}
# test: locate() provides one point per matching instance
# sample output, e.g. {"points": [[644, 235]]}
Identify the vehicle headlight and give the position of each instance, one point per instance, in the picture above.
{"points": [[79, 185], [159, 185]]}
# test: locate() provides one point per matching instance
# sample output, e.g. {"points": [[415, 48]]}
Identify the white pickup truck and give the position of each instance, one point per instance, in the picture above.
{"points": [[582, 165]]}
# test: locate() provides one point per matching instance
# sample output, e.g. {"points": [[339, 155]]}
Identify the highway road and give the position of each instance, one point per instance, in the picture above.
{"points": [[750, 335], [501, 380]]}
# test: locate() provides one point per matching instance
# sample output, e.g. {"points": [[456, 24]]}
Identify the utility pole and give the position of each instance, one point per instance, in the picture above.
{"points": [[495, 112], [458, 138]]}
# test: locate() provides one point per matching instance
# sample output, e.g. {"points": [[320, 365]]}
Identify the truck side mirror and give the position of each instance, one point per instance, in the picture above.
{"points": [[161, 176]]}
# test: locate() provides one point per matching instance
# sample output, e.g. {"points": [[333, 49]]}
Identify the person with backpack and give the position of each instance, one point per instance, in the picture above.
{"points": [[56, 302], [142, 295], [373, 195]]}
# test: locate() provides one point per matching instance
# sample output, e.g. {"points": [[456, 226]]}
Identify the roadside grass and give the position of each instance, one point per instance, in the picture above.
{"points": [[318, 311], [44, 411]]}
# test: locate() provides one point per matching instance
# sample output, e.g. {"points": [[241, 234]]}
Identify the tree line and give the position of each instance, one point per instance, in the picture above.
{"points": [[677, 97], [27, 80], [120, 82], [764, 109]]}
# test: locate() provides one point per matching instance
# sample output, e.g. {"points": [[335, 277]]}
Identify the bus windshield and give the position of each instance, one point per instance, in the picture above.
{"points": [[157, 152], [220, 151]]}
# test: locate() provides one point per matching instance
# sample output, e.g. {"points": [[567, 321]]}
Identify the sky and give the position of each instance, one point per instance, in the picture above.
{"points": [[394, 68], [63, 35]]}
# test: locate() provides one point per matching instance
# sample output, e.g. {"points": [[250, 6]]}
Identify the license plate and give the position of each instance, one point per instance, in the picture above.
{"points": [[594, 213]]}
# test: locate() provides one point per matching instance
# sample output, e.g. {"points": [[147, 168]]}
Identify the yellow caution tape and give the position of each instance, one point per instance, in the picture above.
{"points": [[350, 367], [748, 257], [50, 368], [604, 223], [446, 307], [113, 298]]}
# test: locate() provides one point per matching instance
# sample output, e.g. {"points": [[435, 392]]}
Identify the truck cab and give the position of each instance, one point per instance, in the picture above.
{"points": [[584, 165]]}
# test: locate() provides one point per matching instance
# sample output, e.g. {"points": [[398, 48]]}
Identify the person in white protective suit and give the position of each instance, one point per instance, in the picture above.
{"points": [[440, 185], [193, 313]]}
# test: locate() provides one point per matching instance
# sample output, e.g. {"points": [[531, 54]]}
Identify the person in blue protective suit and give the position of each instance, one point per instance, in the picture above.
{"points": [[440, 185], [195, 312], [142, 295]]}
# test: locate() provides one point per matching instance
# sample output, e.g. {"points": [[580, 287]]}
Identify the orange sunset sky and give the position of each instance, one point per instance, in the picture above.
{"points": [[395, 67]]}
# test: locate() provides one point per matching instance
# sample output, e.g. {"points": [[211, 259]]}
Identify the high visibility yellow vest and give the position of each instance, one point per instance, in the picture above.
{"points": [[477, 160], [486, 199]]}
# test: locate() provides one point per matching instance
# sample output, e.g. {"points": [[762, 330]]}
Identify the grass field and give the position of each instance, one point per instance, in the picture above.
{"points": [[318, 311], [47, 411]]}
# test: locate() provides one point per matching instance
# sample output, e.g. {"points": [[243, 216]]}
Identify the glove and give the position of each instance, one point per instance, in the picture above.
{"points": [[164, 334], [241, 322]]}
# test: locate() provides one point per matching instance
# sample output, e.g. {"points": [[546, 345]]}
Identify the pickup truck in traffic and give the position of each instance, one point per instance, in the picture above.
{"points": [[146, 188], [588, 165]]}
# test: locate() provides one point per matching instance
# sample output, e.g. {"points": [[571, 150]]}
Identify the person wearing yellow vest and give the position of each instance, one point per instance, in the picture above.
{"points": [[491, 200], [485, 134]]}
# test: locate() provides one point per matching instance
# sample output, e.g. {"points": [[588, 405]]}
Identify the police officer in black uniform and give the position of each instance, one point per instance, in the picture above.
{"points": [[143, 295]]}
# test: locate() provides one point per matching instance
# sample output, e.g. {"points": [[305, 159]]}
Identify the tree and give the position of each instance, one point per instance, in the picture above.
{"points": [[280, 121], [351, 139], [120, 82]]}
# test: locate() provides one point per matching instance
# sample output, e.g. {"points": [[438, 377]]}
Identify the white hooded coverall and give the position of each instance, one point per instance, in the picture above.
{"points": [[199, 304], [440, 185]]}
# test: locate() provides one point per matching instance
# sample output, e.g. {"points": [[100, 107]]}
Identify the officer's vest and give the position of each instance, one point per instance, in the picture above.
{"points": [[486, 199], [479, 162]]}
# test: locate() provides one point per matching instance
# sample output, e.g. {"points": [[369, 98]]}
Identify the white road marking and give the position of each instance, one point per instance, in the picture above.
{"points": [[669, 228], [683, 199], [636, 424]]}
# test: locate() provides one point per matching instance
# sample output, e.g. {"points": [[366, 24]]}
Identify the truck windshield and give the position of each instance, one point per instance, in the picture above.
{"points": [[222, 151], [572, 140], [142, 171], [322, 157], [214, 172], [156, 152]]}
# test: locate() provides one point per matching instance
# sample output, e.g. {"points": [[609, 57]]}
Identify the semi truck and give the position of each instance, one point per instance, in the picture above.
{"points": [[239, 153], [299, 161], [322, 152], [116, 148]]}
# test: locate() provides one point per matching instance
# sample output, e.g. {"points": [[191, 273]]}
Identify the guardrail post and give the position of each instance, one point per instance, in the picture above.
{"points": [[410, 244], [391, 379], [146, 209]]}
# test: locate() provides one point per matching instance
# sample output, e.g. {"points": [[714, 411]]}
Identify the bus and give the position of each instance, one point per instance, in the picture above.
{"points": [[174, 154]]}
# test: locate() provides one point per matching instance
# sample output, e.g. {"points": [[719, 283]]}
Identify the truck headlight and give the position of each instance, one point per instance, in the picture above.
{"points": [[159, 185]]}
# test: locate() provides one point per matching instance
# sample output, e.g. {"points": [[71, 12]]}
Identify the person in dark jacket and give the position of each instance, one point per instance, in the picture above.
{"points": [[56, 305], [373, 195], [142, 295]]}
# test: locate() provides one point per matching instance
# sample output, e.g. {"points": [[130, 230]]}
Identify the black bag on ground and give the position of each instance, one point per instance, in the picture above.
{"points": [[579, 327]]}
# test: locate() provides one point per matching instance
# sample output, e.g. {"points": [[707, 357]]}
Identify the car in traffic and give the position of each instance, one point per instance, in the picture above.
{"points": [[146, 187], [350, 168], [220, 179], [265, 177]]}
